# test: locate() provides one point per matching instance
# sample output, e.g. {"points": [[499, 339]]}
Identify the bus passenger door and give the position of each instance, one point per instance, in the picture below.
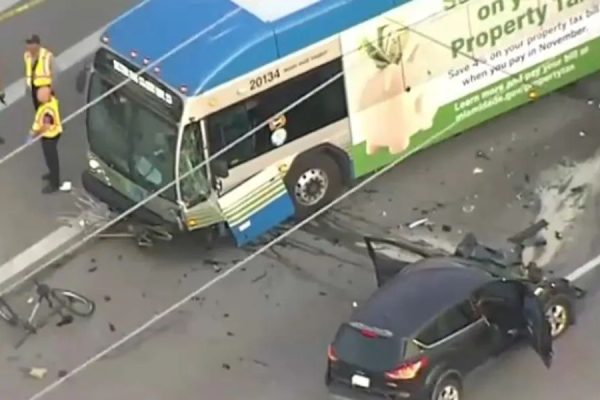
{"points": [[257, 205]]}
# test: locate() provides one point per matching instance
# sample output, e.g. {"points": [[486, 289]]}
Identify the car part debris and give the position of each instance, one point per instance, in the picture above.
{"points": [[558, 235], [446, 228], [482, 154], [37, 373], [468, 208], [260, 277], [417, 223]]}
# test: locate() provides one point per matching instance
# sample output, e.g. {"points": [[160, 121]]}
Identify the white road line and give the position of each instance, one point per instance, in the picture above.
{"points": [[584, 269], [32, 256], [5, 4]]}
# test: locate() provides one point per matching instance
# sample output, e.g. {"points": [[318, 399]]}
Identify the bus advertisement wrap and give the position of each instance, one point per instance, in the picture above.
{"points": [[427, 71]]}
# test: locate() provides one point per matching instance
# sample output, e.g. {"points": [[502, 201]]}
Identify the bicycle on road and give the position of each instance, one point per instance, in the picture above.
{"points": [[58, 300]]}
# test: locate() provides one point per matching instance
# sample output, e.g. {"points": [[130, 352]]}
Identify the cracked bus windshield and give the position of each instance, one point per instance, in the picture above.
{"points": [[131, 138]]}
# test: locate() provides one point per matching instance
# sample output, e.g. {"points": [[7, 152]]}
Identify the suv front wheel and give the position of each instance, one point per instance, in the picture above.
{"points": [[447, 388]]}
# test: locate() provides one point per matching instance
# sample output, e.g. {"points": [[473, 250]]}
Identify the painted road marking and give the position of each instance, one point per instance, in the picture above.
{"points": [[27, 6], [59, 239], [584, 269]]}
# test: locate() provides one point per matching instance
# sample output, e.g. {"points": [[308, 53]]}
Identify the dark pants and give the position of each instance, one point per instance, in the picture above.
{"points": [[50, 149], [36, 103]]}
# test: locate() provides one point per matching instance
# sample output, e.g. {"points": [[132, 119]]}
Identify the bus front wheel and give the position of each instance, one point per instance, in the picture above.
{"points": [[314, 180]]}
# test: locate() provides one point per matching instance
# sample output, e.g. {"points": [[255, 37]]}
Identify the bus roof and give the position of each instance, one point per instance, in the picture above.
{"points": [[240, 35]]}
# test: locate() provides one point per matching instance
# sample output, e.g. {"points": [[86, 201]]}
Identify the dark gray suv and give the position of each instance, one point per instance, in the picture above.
{"points": [[434, 320]]}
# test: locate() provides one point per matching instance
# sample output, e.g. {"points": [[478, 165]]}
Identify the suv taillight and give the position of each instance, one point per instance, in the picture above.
{"points": [[331, 354], [407, 370]]}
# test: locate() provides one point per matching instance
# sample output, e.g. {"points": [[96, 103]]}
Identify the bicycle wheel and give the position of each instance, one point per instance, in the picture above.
{"points": [[74, 302], [7, 313]]}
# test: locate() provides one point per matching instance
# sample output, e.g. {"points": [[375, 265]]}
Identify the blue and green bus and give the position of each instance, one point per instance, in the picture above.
{"points": [[384, 77]]}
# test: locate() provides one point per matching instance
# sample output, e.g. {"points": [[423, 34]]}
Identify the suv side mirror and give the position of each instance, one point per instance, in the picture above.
{"points": [[220, 168]]}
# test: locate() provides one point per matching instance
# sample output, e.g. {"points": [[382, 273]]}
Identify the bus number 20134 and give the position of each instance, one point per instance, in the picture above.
{"points": [[268, 77]]}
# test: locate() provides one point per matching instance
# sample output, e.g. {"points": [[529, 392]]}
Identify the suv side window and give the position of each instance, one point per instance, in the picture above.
{"points": [[451, 321]]}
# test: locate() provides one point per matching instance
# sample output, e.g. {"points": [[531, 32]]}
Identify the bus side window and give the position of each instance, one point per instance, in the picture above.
{"points": [[227, 126], [324, 107]]}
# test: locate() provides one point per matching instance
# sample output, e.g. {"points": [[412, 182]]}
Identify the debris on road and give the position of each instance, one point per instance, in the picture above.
{"points": [[226, 366], [417, 223], [93, 269], [558, 235], [226, 315], [477, 171], [111, 327], [578, 189], [468, 208], [446, 228], [230, 334], [216, 265], [321, 293], [260, 277], [62, 373], [482, 154], [582, 133], [261, 363], [37, 373], [66, 320]]}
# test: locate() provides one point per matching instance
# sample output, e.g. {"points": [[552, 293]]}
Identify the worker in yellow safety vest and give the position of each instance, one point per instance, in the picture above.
{"points": [[38, 67], [48, 125]]}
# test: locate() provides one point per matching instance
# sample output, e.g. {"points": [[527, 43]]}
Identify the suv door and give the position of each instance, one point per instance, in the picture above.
{"points": [[458, 338], [523, 311], [539, 331]]}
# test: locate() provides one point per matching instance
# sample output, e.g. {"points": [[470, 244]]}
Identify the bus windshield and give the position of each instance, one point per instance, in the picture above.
{"points": [[131, 138]]}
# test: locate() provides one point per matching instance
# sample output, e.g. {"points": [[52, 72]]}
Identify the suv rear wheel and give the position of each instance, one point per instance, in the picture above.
{"points": [[447, 388]]}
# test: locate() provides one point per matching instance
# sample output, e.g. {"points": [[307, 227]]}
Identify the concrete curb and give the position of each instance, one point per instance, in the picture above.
{"points": [[14, 272]]}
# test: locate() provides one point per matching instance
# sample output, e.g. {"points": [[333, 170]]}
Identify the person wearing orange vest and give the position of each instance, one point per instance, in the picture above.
{"points": [[48, 125], [38, 67]]}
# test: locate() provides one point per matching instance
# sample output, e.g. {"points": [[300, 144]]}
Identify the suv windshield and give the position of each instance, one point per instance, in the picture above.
{"points": [[374, 353], [131, 138]]}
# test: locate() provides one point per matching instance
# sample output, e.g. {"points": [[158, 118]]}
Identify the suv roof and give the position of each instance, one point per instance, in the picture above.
{"points": [[415, 296]]}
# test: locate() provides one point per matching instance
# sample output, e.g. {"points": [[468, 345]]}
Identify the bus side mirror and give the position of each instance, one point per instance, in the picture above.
{"points": [[220, 168]]}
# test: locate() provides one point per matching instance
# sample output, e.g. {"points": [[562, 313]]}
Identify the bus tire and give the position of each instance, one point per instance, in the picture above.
{"points": [[314, 180]]}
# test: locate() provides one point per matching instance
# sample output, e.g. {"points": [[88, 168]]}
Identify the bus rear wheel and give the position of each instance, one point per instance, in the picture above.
{"points": [[313, 181]]}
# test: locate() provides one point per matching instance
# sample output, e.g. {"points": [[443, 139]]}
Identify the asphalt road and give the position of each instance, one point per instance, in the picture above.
{"points": [[262, 332], [27, 215]]}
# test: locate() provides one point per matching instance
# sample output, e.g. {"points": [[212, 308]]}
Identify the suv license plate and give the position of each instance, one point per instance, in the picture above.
{"points": [[362, 381]]}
